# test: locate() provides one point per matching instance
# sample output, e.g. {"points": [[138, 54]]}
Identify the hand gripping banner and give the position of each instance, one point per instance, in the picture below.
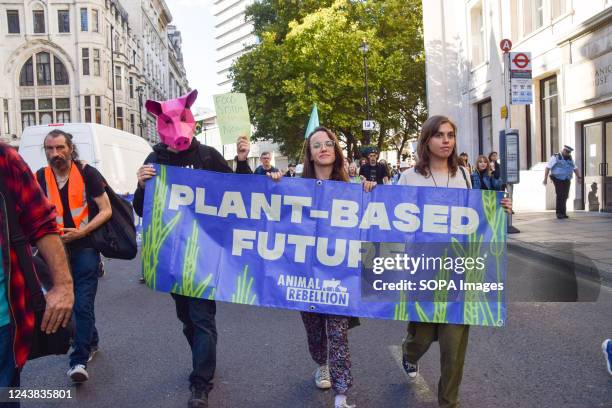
{"points": [[399, 252]]}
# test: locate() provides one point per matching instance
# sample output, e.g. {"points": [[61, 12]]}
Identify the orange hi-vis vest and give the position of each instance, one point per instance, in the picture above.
{"points": [[77, 197]]}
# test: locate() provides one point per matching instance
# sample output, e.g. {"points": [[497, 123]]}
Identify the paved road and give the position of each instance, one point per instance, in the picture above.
{"points": [[549, 354]]}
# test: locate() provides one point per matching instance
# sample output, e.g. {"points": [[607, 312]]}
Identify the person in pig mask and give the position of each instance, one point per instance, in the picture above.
{"points": [[178, 147]]}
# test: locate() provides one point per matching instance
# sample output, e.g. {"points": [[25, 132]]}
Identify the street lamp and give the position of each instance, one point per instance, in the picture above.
{"points": [[364, 49]]}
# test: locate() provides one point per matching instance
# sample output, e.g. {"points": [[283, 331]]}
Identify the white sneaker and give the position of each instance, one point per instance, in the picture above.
{"points": [[322, 379], [78, 373], [344, 405]]}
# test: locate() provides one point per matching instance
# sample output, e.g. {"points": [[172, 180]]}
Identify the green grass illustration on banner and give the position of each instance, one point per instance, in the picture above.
{"points": [[243, 294], [440, 299], [211, 296], [155, 235], [496, 218], [188, 285], [400, 310], [441, 295]]}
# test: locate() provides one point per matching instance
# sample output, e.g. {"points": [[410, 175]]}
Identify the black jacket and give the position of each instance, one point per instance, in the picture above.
{"points": [[198, 156]]}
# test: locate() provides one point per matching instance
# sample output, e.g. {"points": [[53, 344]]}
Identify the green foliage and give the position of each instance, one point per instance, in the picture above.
{"points": [[309, 53]]}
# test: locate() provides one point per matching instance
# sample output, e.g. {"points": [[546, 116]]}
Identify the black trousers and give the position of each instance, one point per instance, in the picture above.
{"points": [[198, 318], [562, 188]]}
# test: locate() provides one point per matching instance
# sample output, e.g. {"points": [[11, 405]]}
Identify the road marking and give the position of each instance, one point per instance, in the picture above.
{"points": [[418, 384]]}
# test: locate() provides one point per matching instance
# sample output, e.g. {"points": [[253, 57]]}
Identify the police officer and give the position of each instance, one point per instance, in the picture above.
{"points": [[560, 167]]}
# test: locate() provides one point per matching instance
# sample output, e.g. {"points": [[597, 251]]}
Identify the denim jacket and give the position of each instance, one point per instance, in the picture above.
{"points": [[490, 182]]}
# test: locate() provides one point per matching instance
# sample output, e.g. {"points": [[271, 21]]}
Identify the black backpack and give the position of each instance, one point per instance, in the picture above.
{"points": [[116, 238]]}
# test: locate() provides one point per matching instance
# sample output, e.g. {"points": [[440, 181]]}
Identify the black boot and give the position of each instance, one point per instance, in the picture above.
{"points": [[198, 399]]}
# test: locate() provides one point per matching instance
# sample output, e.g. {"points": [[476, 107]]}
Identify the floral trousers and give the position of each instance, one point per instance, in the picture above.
{"points": [[328, 344]]}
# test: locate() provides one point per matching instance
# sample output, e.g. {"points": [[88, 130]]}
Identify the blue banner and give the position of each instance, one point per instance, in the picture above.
{"points": [[398, 252]]}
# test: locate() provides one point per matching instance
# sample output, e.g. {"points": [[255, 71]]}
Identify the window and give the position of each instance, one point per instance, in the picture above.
{"points": [[26, 78], [60, 73], [134, 58], [45, 111], [87, 106], [131, 85], [120, 118], [485, 128], [44, 74], [43, 68], [63, 21], [559, 8], [549, 106], [95, 22], [84, 20], [478, 35], [12, 17], [7, 124], [62, 107], [533, 15], [132, 128], [96, 62], [39, 21], [98, 100], [28, 113], [85, 59], [118, 86]]}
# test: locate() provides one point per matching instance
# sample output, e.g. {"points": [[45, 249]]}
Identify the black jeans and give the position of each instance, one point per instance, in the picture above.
{"points": [[198, 318], [562, 188]]}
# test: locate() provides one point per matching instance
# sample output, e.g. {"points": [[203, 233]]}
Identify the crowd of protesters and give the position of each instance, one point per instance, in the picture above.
{"points": [[59, 207], [485, 174]]}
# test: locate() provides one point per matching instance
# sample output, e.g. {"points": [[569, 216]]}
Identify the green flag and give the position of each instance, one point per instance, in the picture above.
{"points": [[313, 123]]}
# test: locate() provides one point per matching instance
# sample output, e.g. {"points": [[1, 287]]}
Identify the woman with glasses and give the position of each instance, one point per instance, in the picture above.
{"points": [[328, 334]]}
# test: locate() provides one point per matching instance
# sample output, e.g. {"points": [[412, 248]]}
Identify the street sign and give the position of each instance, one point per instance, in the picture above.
{"points": [[510, 156], [520, 61], [505, 45], [369, 125], [520, 78]]}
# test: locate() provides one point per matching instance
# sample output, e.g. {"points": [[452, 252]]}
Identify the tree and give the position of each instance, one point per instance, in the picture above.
{"points": [[310, 54]]}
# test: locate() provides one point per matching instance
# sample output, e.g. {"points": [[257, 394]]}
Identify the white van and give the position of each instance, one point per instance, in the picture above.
{"points": [[115, 153]]}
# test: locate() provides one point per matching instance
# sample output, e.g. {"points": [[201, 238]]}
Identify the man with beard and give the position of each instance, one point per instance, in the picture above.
{"points": [[82, 205], [560, 167]]}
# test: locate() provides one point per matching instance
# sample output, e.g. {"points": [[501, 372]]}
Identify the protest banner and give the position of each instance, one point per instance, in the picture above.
{"points": [[399, 252], [232, 116]]}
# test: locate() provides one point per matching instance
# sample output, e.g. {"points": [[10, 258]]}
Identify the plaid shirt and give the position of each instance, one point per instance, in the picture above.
{"points": [[37, 219]]}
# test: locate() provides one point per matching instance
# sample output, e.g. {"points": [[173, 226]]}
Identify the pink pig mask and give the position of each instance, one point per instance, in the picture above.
{"points": [[175, 122]]}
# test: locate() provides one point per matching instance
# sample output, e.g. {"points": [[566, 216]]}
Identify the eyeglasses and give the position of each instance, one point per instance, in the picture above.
{"points": [[328, 143]]}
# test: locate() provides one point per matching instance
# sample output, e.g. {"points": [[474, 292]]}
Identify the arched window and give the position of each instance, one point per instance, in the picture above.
{"points": [[49, 71], [43, 68], [27, 74]]}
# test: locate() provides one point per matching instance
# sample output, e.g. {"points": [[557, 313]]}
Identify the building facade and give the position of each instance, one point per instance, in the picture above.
{"points": [[64, 61], [151, 19], [177, 78], [56, 58], [233, 36], [571, 57]]}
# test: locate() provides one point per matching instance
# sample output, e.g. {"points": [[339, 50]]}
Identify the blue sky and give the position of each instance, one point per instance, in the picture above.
{"points": [[195, 21]]}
